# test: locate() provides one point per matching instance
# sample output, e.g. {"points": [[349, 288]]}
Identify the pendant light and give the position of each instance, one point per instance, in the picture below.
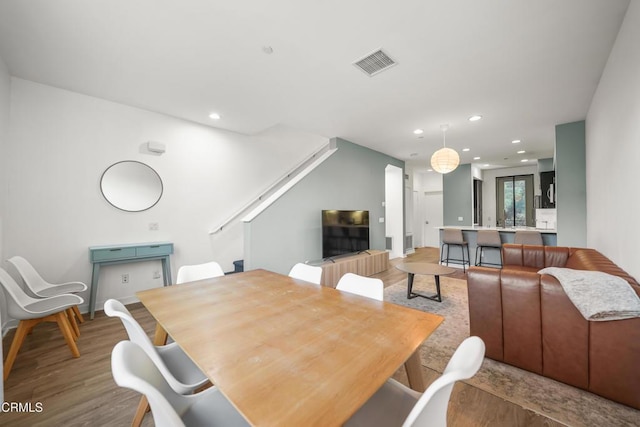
{"points": [[445, 159]]}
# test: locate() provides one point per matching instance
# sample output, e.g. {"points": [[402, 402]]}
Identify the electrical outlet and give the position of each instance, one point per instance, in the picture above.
{"points": [[460, 218], [154, 226], [125, 278], [156, 274]]}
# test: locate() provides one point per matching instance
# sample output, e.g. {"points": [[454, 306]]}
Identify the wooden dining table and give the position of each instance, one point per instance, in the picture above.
{"points": [[287, 352]]}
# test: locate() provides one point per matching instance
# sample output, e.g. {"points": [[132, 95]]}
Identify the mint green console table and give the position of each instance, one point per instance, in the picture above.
{"points": [[119, 254]]}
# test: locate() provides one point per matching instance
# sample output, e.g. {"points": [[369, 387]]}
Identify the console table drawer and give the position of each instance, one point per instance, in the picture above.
{"points": [[98, 255], [154, 250]]}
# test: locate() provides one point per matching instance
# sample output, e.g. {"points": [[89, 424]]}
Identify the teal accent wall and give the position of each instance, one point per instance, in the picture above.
{"points": [[290, 230], [457, 188], [571, 184]]}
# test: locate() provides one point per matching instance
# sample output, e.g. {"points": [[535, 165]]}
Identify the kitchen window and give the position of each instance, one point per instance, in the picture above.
{"points": [[514, 201]]}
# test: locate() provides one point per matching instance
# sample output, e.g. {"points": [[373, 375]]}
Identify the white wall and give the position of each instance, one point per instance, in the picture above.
{"points": [[394, 209], [59, 144], [5, 94], [5, 86], [489, 189], [613, 151]]}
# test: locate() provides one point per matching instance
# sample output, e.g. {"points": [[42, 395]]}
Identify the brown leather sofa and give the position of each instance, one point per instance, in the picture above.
{"points": [[526, 320]]}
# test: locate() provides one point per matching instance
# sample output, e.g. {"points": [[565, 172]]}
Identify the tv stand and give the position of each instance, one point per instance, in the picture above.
{"points": [[365, 263]]}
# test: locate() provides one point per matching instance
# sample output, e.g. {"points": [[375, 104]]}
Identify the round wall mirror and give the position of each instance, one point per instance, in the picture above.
{"points": [[131, 186]]}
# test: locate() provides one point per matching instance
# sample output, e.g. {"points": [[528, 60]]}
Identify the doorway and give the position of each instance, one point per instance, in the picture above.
{"points": [[394, 210], [433, 218], [477, 202]]}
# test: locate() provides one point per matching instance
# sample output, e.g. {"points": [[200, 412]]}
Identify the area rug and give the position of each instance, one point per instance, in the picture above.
{"points": [[560, 402]]}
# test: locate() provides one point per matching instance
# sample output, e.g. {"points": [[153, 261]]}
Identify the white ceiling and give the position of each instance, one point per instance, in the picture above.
{"points": [[524, 65]]}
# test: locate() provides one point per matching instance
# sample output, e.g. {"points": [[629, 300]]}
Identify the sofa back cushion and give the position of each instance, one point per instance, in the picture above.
{"points": [[556, 256], [590, 259], [512, 255], [533, 257]]}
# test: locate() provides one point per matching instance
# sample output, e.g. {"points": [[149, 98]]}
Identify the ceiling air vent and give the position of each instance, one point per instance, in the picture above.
{"points": [[375, 63]]}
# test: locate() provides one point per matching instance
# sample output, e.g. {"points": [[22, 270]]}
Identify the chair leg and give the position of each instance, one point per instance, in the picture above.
{"points": [[468, 256], [143, 408], [76, 311], [476, 257], [23, 329], [72, 322], [464, 270], [65, 328]]}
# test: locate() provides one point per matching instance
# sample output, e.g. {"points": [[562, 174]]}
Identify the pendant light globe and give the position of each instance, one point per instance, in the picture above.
{"points": [[445, 159]]}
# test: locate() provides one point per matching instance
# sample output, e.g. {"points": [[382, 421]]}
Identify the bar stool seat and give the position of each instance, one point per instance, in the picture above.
{"points": [[453, 237], [489, 239], [528, 237]]}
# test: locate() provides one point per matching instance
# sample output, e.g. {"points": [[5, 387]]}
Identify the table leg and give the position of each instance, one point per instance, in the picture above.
{"points": [[414, 372], [166, 271], [160, 336], [95, 275], [438, 295], [410, 294], [410, 285]]}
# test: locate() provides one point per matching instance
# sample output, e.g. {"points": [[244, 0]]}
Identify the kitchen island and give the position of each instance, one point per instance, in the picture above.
{"points": [[507, 235]]}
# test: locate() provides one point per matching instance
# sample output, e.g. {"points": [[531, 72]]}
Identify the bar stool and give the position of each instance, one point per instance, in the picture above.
{"points": [[489, 239], [528, 237], [453, 237]]}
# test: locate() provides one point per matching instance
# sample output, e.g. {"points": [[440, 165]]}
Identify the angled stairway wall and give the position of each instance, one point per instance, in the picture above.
{"points": [[290, 231]]}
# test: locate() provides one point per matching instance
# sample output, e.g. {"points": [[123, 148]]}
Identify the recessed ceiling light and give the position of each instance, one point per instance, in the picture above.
{"points": [[521, 152], [524, 160], [474, 118], [466, 149], [476, 158], [515, 141], [418, 131], [214, 116]]}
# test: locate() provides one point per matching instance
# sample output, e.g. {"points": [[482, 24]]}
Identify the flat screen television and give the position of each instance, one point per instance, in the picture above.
{"points": [[344, 232]]}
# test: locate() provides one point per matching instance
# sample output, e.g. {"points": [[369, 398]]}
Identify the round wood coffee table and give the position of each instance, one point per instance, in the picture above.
{"points": [[424, 268]]}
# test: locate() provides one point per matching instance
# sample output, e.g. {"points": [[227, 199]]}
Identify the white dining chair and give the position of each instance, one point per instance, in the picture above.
{"points": [[132, 368], [306, 272], [365, 286], [181, 373], [32, 311], [191, 273], [43, 289], [394, 404]]}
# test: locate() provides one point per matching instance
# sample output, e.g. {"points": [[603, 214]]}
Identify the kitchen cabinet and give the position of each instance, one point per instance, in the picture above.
{"points": [[548, 187]]}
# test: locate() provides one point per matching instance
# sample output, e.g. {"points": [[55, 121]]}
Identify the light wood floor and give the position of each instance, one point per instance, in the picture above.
{"points": [[81, 392]]}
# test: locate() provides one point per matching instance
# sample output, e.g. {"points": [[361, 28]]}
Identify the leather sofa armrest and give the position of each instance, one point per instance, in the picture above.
{"points": [[566, 336], [485, 308], [522, 329]]}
